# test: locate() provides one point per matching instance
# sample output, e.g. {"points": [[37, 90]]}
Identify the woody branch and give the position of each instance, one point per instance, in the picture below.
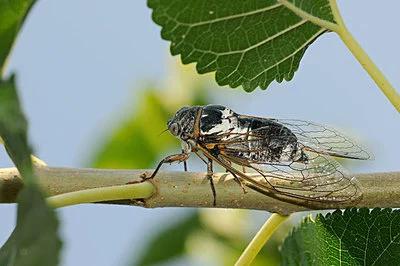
{"points": [[188, 189]]}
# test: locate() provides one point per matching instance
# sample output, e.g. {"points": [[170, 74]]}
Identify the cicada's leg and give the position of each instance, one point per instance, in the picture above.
{"points": [[210, 173], [237, 179], [184, 163], [181, 157]]}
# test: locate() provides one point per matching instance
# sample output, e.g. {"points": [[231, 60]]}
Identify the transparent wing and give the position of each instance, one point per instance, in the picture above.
{"points": [[322, 139], [308, 180], [313, 137], [322, 179]]}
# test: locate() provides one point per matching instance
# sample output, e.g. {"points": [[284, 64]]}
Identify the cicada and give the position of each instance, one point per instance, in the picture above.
{"points": [[290, 160]]}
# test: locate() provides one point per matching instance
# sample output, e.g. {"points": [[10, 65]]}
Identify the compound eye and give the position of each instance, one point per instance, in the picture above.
{"points": [[174, 128]]}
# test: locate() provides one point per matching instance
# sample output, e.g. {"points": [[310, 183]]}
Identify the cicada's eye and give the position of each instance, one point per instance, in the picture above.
{"points": [[174, 129]]}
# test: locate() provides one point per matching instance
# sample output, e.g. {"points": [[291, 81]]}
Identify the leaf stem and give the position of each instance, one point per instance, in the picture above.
{"points": [[131, 191], [260, 239], [340, 28], [363, 58]]}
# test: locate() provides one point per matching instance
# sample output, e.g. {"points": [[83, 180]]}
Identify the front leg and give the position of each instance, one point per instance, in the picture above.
{"points": [[184, 163], [181, 157]]}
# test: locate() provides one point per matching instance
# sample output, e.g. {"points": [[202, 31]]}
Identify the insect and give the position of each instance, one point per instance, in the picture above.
{"points": [[292, 159]]}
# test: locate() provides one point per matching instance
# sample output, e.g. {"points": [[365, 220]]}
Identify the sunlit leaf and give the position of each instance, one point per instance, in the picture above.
{"points": [[12, 15], [352, 237], [248, 43]]}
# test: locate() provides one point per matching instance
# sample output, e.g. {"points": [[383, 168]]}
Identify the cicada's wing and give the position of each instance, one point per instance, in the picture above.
{"points": [[291, 157], [325, 140], [313, 137], [322, 179]]}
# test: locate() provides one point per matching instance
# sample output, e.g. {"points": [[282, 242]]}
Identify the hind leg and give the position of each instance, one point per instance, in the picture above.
{"points": [[210, 173]]}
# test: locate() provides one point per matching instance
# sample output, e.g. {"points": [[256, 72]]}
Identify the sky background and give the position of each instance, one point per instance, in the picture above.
{"points": [[79, 63]]}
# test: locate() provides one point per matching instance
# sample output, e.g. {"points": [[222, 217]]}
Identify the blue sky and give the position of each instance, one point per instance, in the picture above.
{"points": [[80, 62]]}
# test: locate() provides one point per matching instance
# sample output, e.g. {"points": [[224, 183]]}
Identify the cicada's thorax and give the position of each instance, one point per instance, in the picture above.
{"points": [[247, 138]]}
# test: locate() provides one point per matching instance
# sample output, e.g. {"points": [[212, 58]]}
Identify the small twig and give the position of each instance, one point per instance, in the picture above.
{"points": [[186, 189]]}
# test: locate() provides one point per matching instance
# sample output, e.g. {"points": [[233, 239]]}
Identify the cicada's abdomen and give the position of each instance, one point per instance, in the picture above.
{"points": [[269, 141], [248, 138]]}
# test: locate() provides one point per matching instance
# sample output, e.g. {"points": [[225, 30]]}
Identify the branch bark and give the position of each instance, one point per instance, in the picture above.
{"points": [[187, 189]]}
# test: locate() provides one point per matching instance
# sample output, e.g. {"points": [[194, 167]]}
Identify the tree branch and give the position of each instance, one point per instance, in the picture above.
{"points": [[186, 189]]}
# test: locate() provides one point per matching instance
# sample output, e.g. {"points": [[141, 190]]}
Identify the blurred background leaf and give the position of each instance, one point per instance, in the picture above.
{"points": [[209, 237], [137, 141], [169, 243]]}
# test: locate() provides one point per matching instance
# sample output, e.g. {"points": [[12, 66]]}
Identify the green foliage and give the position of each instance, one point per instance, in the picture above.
{"points": [[318, 8], [34, 241], [249, 43], [137, 143], [12, 15], [169, 243], [217, 236], [13, 128], [352, 237]]}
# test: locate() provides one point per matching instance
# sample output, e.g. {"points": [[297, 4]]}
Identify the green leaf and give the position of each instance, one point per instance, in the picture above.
{"points": [[34, 240], [320, 9], [13, 129], [352, 237], [248, 43], [170, 242], [12, 15]]}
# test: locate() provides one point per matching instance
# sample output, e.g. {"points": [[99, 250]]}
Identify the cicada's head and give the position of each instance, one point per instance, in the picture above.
{"points": [[183, 123]]}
